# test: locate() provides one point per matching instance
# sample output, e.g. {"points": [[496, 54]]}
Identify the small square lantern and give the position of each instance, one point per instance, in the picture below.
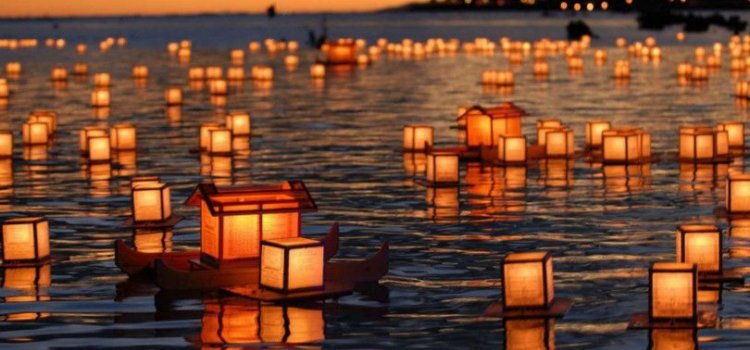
{"points": [[738, 193], [35, 133], [4, 89], [528, 281], [594, 129], [697, 143], [25, 240], [196, 73], [700, 245], [123, 137], [511, 149], [544, 125], [45, 116], [6, 144], [735, 131], [59, 74], [87, 132], [173, 96], [205, 134], [217, 87], [292, 264], [102, 80], [239, 123], [99, 149], [342, 51], [219, 141], [559, 143], [140, 72], [13, 69], [100, 98], [81, 69], [235, 74], [214, 72], [673, 291], [150, 202], [620, 146], [418, 137], [442, 168]]}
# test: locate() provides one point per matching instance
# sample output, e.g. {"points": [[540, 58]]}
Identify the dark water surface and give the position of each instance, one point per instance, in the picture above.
{"points": [[343, 139]]}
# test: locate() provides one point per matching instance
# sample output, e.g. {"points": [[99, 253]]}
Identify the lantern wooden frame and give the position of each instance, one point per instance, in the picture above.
{"points": [[697, 144], [436, 160], [165, 202], [511, 149], [735, 133], [87, 132], [674, 268], [40, 233], [45, 116], [544, 261], [685, 233], [287, 245], [418, 138]]}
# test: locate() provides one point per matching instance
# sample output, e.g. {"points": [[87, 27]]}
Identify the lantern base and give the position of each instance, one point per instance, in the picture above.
{"points": [[28, 263], [169, 222], [331, 290], [723, 213], [729, 275], [707, 318], [559, 308]]}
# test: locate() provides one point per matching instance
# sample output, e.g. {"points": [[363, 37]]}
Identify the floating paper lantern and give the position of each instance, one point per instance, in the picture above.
{"points": [[498, 77], [183, 55], [123, 137], [485, 125], [87, 132], [528, 281], [81, 69], [511, 149], [699, 73], [81, 49], [235, 73], [25, 240], [622, 69], [100, 98], [220, 141], [442, 168], [544, 125], [253, 46], [35, 133], [621, 146], [684, 70], [4, 89], [318, 71], [735, 133], [575, 63], [594, 129], [292, 264], [214, 72], [363, 60], [99, 149], [44, 116], [217, 87], [239, 123], [291, 61], [150, 202], [742, 89], [418, 137], [13, 69], [140, 72], [600, 56], [234, 221], [59, 74], [102, 80], [700, 245], [261, 73], [173, 96], [6, 144], [237, 56], [674, 289], [196, 73], [342, 51], [204, 134], [559, 143], [698, 143], [738, 193]]}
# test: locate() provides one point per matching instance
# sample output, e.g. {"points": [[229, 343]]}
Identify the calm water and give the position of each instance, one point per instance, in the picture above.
{"points": [[343, 139]]}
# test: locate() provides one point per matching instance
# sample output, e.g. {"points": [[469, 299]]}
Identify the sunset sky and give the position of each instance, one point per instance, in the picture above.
{"points": [[26, 8]]}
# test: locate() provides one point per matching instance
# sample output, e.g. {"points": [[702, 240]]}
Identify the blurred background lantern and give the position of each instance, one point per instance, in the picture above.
{"points": [[123, 137], [700, 245], [100, 98], [173, 96]]}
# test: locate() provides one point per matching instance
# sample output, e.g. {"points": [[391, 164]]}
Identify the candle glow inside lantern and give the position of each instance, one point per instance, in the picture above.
{"points": [[702, 143], [738, 193], [25, 240], [150, 202], [173, 96], [511, 149], [35, 133], [621, 146], [235, 73], [594, 129], [735, 133], [418, 137], [99, 149], [196, 73], [123, 137], [59, 74], [237, 56], [234, 221], [528, 281], [139, 72], [485, 125], [292, 264], [442, 168], [219, 141], [239, 123], [674, 291], [102, 80], [559, 143], [100, 98], [318, 71], [6, 144], [700, 245]]}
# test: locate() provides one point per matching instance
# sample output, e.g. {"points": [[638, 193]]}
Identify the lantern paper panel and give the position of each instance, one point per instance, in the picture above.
{"points": [[696, 143], [620, 146], [123, 137], [700, 245], [511, 149], [220, 141], [205, 134], [6, 144], [442, 168], [738, 193], [559, 143], [151, 202], [418, 137], [674, 288], [594, 130], [99, 148], [528, 280], [544, 125], [25, 239], [239, 123], [735, 133], [292, 264], [35, 133]]}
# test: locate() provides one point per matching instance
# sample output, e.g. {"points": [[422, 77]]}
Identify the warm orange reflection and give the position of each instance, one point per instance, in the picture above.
{"points": [[673, 339], [153, 240], [529, 334]]}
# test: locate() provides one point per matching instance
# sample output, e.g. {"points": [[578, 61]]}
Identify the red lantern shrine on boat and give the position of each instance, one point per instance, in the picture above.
{"points": [[484, 126]]}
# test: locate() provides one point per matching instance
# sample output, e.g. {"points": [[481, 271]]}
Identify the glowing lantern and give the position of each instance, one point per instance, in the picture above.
{"points": [[25, 240], [140, 72], [684, 70], [173, 96], [735, 133], [219, 141], [234, 221], [529, 334], [4, 89], [217, 87], [575, 64], [214, 72], [81, 69], [318, 71], [442, 168], [196, 73], [292, 264], [674, 289], [622, 69], [363, 60], [291, 61], [342, 51], [541, 68], [511, 149], [6, 144], [738, 193], [183, 55], [485, 125], [700, 245], [87, 132], [99, 149], [742, 89], [123, 137], [150, 202], [239, 123], [261, 73], [600, 56], [13, 69], [237, 56], [699, 73], [697, 143], [44, 116], [544, 125], [253, 46], [35, 133], [559, 143], [235, 73], [528, 281], [594, 130], [59, 74], [102, 80], [100, 98], [418, 137], [205, 135], [621, 146]]}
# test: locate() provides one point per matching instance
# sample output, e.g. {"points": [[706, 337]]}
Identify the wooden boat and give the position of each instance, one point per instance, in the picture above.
{"points": [[134, 263]]}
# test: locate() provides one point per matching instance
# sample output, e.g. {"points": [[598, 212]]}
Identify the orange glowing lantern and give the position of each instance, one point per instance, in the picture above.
{"points": [[45, 116], [442, 168], [81, 69], [99, 149], [544, 125], [235, 73], [541, 68], [59, 74], [219, 141], [25, 241], [139, 72], [173, 96], [621, 146], [418, 137], [738, 193], [100, 98], [102, 80], [600, 56], [684, 70], [292, 264], [123, 137], [735, 133], [622, 69], [196, 73], [528, 281], [511, 149], [594, 130], [239, 123], [13, 69], [699, 143], [700, 245], [318, 71], [234, 221], [150, 202], [237, 56], [261, 73], [529, 334], [6, 144], [485, 125], [674, 291], [217, 87], [35, 133], [291, 61], [4, 89], [87, 132], [214, 72], [342, 51], [253, 46], [559, 143]]}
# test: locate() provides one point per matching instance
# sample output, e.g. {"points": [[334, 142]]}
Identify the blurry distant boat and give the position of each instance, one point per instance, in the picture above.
{"points": [[658, 20], [577, 29], [271, 11]]}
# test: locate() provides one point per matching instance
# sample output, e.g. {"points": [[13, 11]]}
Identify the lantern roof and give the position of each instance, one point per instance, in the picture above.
{"points": [[23, 220], [503, 110], [527, 256], [672, 266], [289, 196]]}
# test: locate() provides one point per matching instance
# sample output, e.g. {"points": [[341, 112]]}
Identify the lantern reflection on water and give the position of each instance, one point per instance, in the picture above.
{"points": [[6, 144], [673, 291], [292, 264], [32, 282], [418, 137], [25, 241], [157, 240], [527, 280], [673, 339], [415, 163], [4, 89], [217, 87], [529, 334], [559, 143], [45, 116], [235, 220], [700, 245]]}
